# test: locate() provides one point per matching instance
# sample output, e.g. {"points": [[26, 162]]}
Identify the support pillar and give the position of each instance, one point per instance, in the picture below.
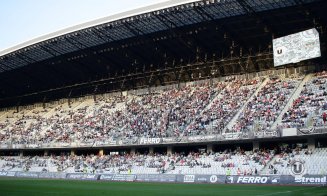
{"points": [[256, 145], [101, 152], [209, 148], [46, 153], [72, 152], [311, 143], [151, 150], [169, 150], [133, 151]]}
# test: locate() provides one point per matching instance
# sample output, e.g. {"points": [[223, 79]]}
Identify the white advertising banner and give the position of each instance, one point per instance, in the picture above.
{"points": [[289, 132]]}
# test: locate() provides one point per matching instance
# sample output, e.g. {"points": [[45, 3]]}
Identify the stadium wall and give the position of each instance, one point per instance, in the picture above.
{"points": [[143, 141], [312, 180]]}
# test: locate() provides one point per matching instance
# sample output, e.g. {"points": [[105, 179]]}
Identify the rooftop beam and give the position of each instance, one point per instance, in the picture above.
{"points": [[172, 27]]}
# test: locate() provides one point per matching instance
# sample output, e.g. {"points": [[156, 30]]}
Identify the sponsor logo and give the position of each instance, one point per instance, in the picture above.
{"points": [[280, 51], [201, 179], [134, 141], [196, 138], [213, 179], [3, 173], [275, 180], [150, 140], [311, 180], [230, 179], [103, 143], [297, 168], [189, 178], [252, 180], [230, 136], [166, 140], [32, 175], [76, 176], [123, 177], [52, 175], [82, 176], [106, 177], [11, 173], [90, 176], [200, 138]]}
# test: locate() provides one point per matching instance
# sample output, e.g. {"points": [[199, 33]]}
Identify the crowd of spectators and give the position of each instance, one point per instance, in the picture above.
{"points": [[140, 163], [214, 119], [64, 125], [202, 108], [236, 162], [159, 114], [308, 109], [264, 108]]}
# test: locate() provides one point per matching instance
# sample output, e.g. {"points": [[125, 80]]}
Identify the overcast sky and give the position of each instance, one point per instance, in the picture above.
{"points": [[23, 20]]}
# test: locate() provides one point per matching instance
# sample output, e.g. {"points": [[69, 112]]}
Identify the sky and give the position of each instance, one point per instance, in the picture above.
{"points": [[23, 20]]}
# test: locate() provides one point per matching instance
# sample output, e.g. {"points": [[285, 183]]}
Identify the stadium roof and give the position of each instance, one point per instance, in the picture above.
{"points": [[142, 21]]}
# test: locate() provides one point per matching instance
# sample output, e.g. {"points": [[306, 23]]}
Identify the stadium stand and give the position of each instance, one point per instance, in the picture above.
{"points": [[314, 161], [239, 162], [206, 109], [308, 108], [262, 111], [186, 91], [195, 109]]}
